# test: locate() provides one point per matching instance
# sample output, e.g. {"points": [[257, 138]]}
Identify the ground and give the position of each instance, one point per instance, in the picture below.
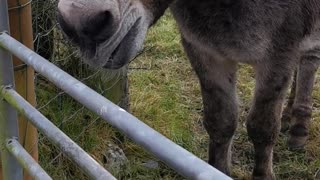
{"points": [[165, 94]]}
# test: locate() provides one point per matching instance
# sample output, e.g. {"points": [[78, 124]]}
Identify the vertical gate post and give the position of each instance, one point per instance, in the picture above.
{"points": [[20, 21], [11, 170]]}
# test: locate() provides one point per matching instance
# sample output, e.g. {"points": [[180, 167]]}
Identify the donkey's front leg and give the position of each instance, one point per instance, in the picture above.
{"points": [[217, 80], [263, 122]]}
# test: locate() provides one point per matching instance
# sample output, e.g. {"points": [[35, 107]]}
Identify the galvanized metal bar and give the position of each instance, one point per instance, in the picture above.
{"points": [[56, 136], [26, 161], [11, 170], [173, 155]]}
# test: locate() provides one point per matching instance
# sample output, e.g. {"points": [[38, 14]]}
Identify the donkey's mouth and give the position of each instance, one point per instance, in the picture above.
{"points": [[115, 49], [111, 60], [114, 53], [125, 50]]}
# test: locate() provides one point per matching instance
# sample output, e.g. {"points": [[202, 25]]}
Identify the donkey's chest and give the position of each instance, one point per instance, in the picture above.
{"points": [[234, 32], [242, 47]]}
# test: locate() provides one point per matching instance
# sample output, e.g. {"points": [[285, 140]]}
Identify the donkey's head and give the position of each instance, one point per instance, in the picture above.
{"points": [[108, 32]]}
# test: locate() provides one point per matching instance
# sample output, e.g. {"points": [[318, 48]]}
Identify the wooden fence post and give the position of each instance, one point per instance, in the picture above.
{"points": [[21, 29]]}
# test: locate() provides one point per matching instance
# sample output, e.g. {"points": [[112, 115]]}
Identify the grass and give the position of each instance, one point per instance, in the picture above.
{"points": [[164, 93]]}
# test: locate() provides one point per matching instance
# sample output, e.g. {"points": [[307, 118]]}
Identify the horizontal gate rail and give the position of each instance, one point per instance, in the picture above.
{"points": [[27, 162], [173, 155], [56, 136]]}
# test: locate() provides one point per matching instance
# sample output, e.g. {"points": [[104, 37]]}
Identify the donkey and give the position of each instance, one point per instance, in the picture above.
{"points": [[274, 36]]}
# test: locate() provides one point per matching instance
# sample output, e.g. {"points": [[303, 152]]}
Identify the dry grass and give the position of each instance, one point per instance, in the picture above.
{"points": [[164, 93]]}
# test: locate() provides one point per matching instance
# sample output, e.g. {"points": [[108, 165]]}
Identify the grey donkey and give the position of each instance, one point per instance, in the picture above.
{"points": [[274, 36]]}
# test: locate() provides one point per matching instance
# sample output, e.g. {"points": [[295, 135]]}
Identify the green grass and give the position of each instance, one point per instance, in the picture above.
{"points": [[164, 93]]}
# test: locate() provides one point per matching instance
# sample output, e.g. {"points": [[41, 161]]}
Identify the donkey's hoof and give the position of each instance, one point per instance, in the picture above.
{"points": [[222, 167], [298, 137], [265, 177], [297, 142]]}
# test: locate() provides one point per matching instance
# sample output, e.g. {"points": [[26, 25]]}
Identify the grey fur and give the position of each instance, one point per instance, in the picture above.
{"points": [[274, 36], [297, 114]]}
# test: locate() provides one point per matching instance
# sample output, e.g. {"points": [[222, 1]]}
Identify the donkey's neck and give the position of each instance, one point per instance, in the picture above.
{"points": [[156, 7]]}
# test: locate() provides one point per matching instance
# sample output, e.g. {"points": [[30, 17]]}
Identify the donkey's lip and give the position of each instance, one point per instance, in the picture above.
{"points": [[118, 58], [113, 54]]}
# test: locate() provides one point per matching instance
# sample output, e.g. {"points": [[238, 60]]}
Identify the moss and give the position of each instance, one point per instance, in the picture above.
{"points": [[7, 95]]}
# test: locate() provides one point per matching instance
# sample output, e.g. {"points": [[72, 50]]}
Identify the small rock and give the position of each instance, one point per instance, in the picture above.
{"points": [[151, 164], [115, 158]]}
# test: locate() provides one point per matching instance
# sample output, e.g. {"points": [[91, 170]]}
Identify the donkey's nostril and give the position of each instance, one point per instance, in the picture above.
{"points": [[99, 27]]}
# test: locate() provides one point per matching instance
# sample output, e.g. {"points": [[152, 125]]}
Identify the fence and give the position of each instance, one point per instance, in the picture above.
{"points": [[14, 157]]}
